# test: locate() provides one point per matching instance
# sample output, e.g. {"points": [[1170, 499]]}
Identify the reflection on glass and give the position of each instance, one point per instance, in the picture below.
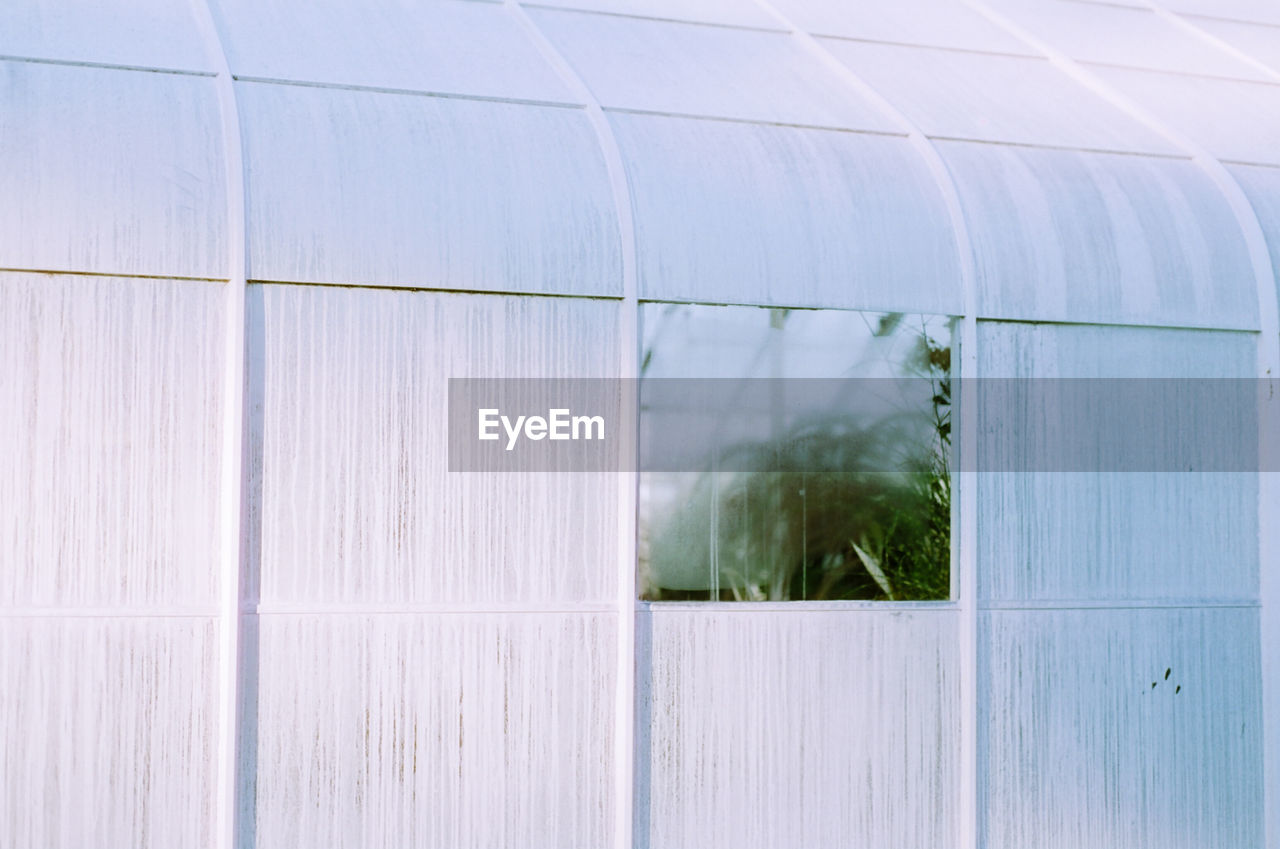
{"points": [[769, 485]]}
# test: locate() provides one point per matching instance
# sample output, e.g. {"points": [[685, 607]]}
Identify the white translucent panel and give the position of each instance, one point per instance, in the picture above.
{"points": [[780, 215], [1096, 534], [1115, 35], [939, 23], [1255, 11], [111, 171], [1235, 121], [1086, 742], [690, 69], [111, 392], [148, 33], [350, 410], [1096, 237], [952, 94], [1260, 43], [429, 45], [405, 190], [1262, 187], [109, 732], [743, 13], [450, 730], [775, 729]]}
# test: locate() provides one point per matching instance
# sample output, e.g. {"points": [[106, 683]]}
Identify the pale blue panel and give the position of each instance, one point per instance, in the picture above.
{"points": [[742, 13], [111, 171], [1098, 534], [148, 33], [468, 731], [988, 97], [350, 438], [1235, 121], [727, 212], [1262, 187], [692, 69], [1078, 749], [782, 729], [110, 732], [939, 23], [404, 190], [430, 45], [1089, 237]]}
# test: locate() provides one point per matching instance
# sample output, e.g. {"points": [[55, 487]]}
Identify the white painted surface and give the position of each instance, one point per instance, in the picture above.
{"points": [[443, 46], [110, 171], [449, 730], [355, 187], [142, 33], [1081, 750], [111, 404], [1115, 535], [1013, 99], [357, 501], [782, 729], [1092, 237], [688, 69], [729, 212], [108, 730]]}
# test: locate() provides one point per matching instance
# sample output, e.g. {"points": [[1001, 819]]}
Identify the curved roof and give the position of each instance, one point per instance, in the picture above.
{"points": [[1088, 162]]}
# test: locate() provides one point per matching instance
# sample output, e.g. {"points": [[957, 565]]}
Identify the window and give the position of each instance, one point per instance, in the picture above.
{"points": [[792, 454]]}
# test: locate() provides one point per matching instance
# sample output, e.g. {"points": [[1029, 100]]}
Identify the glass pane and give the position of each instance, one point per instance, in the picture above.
{"points": [[794, 454]]}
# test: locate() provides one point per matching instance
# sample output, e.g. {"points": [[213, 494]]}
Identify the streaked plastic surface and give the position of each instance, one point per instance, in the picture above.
{"points": [[349, 407], [788, 729], [1254, 11], [432, 45], [937, 23], [688, 69], [110, 171], [1078, 748], [1089, 237], [111, 399], [1117, 535], [727, 212], [1262, 187], [145, 33], [1261, 43], [456, 730], [354, 187], [984, 97], [741, 13], [108, 729]]}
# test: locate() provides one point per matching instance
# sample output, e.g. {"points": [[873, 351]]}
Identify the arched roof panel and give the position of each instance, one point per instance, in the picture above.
{"points": [[444, 46], [140, 33], [984, 97], [937, 23], [1093, 237], [355, 187], [1262, 187], [718, 72], [740, 13], [730, 212], [1255, 11], [1258, 42], [110, 171]]}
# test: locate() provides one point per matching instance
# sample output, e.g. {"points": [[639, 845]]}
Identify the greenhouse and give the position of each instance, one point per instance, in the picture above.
{"points": [[933, 348]]}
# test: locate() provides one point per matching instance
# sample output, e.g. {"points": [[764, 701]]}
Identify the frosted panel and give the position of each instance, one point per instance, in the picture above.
{"points": [[983, 97], [939, 23], [1234, 121], [744, 13], [1262, 187], [151, 33], [798, 729], [1114, 35], [1261, 43], [686, 69], [455, 730], [109, 730], [350, 410], [402, 190], [727, 212], [1088, 237], [1106, 535], [1256, 11], [118, 172], [111, 393], [1078, 748], [430, 45]]}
